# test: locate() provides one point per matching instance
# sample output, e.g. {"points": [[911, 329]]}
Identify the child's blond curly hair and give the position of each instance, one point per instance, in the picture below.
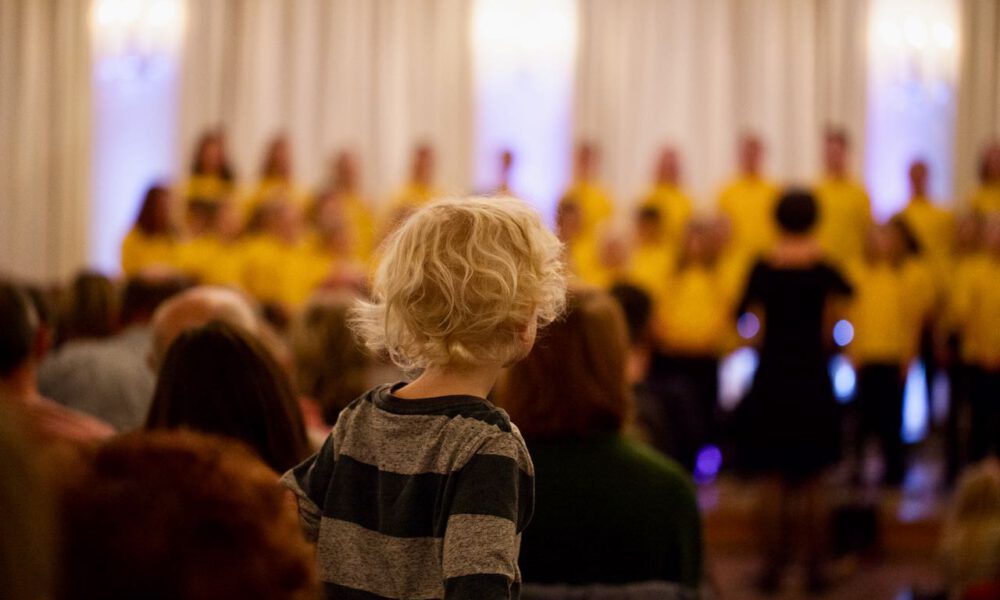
{"points": [[460, 282]]}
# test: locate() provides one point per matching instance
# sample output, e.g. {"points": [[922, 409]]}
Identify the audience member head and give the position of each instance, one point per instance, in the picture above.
{"points": [[836, 145], [210, 156], [751, 155], [28, 545], [330, 365], [181, 516], [637, 307], [422, 169], [796, 212], [464, 282], [569, 220], [220, 380], [573, 383], [89, 308], [143, 295], [649, 225], [586, 161], [668, 166], [277, 159], [154, 214], [989, 164], [197, 307], [18, 334], [345, 178], [918, 173]]}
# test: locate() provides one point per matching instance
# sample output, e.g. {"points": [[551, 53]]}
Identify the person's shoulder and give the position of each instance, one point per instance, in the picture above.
{"points": [[661, 472]]}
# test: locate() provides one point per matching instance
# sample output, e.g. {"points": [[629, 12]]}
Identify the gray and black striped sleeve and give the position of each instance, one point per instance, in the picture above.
{"points": [[491, 504]]}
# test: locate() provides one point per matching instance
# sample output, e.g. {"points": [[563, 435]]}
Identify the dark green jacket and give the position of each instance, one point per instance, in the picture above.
{"points": [[610, 510]]}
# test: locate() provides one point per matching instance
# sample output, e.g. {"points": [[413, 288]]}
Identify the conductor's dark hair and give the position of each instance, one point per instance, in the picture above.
{"points": [[796, 211]]}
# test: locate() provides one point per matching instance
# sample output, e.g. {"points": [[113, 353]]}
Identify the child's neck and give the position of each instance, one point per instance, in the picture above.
{"points": [[443, 381]]}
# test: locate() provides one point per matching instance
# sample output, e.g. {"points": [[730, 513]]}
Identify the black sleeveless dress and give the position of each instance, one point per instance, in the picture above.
{"points": [[789, 422]]}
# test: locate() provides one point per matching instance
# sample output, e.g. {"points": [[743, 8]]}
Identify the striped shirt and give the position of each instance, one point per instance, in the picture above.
{"points": [[417, 500]]}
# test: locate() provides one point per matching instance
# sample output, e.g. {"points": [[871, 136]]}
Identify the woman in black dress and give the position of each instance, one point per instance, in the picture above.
{"points": [[790, 424]]}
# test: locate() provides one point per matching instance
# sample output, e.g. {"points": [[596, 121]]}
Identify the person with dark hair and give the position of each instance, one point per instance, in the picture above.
{"points": [[844, 208], [88, 309], [152, 242], [418, 190], [343, 188], [667, 195], [608, 510], [586, 191], [933, 226], [331, 367], [220, 380], [211, 178], [651, 258], [986, 199], [276, 179], [180, 516], [694, 330], [976, 301], [789, 421], [21, 349], [893, 293], [747, 202], [109, 378], [581, 254]]}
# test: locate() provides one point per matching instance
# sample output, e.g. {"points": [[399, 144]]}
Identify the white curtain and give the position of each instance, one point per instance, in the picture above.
{"points": [[375, 76], [695, 74], [978, 91], [44, 137]]}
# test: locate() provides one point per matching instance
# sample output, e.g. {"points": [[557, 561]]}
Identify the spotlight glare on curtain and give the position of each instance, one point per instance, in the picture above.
{"points": [[524, 53], [912, 72], [132, 37]]}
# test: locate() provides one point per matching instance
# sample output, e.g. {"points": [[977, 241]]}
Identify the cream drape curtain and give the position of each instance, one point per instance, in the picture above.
{"points": [[44, 137], [978, 108], [375, 76], [695, 74]]}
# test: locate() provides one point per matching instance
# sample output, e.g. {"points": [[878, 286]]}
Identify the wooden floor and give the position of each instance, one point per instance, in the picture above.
{"points": [[903, 560]]}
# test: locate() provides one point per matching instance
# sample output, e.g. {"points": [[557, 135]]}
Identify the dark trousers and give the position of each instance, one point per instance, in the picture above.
{"points": [[984, 434], [880, 413], [961, 376]]}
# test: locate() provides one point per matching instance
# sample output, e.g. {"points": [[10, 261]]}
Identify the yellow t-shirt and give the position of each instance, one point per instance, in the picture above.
{"points": [[211, 261], [844, 219], [141, 252], [270, 188], [362, 226], [694, 318], [934, 229], [649, 267], [272, 271], [887, 311], [748, 203], [675, 209], [975, 310], [596, 206], [206, 187], [584, 262], [986, 200]]}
